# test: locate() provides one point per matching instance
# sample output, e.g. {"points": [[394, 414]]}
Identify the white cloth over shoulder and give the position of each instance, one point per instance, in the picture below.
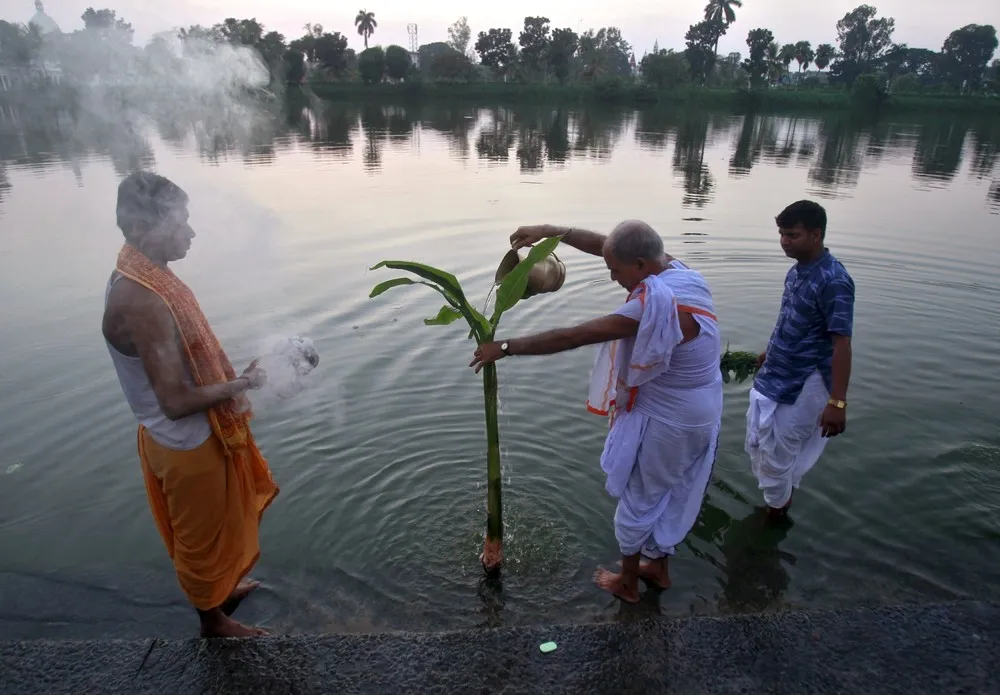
{"points": [[615, 378], [617, 371], [666, 396], [785, 441]]}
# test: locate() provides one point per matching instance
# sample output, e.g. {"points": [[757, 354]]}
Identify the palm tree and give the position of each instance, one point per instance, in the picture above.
{"points": [[804, 54], [824, 54], [365, 22], [787, 55], [773, 54], [721, 11]]}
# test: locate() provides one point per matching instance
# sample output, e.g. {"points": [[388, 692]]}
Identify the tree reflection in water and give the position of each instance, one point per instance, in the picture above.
{"points": [[833, 149]]}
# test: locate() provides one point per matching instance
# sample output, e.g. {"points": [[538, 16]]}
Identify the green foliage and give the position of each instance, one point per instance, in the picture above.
{"points": [[534, 42], [869, 93], [664, 69], [509, 293], [452, 67], [738, 365], [561, 50], [864, 39], [371, 65], [366, 25], [757, 64], [967, 52], [107, 22], [459, 35], [511, 290], [722, 11], [445, 283], [325, 50], [702, 39], [19, 44], [397, 62], [446, 316], [786, 55], [804, 54], [295, 66], [515, 285], [825, 53], [604, 54], [496, 49]]}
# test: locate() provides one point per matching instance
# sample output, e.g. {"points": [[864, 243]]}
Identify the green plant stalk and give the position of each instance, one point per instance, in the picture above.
{"points": [[494, 498]]}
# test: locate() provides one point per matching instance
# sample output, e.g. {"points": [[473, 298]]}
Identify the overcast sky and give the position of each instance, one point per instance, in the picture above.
{"points": [[924, 23]]}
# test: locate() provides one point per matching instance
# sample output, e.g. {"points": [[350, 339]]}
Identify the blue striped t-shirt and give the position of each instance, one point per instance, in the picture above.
{"points": [[818, 300]]}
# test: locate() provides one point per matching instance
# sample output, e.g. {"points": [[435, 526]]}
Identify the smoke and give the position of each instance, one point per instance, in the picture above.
{"points": [[287, 362], [216, 92]]}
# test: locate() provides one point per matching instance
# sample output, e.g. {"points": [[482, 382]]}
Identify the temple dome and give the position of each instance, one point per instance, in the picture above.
{"points": [[45, 24]]}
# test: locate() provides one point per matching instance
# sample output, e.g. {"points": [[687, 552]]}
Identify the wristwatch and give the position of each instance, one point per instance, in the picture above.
{"points": [[505, 348], [837, 404]]}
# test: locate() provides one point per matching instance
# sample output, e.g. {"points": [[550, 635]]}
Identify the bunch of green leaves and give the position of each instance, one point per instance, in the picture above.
{"points": [[738, 365], [510, 292]]}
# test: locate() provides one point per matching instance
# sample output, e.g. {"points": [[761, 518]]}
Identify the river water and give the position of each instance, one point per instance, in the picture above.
{"points": [[382, 460]]}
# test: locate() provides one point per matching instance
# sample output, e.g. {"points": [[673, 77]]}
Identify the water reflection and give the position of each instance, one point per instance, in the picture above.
{"points": [[985, 148], [938, 152], [840, 154], [689, 159], [832, 150], [755, 578], [496, 137]]}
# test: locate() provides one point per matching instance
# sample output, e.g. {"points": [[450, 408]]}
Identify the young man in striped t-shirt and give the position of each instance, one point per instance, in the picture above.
{"points": [[799, 398]]}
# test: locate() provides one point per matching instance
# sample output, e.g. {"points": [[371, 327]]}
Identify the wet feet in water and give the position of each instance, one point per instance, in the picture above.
{"points": [[781, 513], [239, 593], [616, 584], [655, 573]]}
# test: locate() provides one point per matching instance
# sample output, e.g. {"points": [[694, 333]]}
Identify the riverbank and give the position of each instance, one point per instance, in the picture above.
{"points": [[935, 648], [622, 93]]}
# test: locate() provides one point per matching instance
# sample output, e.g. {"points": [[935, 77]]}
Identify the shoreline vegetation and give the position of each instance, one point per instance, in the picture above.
{"points": [[637, 95], [866, 71]]}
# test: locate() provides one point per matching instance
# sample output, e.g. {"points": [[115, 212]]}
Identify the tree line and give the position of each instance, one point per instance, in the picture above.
{"points": [[544, 54]]}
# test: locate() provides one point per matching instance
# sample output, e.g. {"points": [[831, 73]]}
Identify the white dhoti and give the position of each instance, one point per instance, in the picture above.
{"points": [[784, 441], [659, 471], [666, 398]]}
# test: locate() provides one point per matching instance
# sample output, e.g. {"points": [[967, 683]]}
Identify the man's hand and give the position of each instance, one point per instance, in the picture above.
{"points": [[760, 359], [531, 235], [834, 421], [485, 354], [255, 376]]}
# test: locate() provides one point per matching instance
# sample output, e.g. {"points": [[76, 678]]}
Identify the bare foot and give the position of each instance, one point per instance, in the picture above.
{"points": [[243, 590], [615, 583], [224, 626], [654, 573]]}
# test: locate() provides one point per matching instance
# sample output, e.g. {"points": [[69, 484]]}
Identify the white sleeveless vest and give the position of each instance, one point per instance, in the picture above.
{"points": [[187, 433]]}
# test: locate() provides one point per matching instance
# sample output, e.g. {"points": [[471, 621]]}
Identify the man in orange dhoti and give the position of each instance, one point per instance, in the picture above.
{"points": [[207, 483]]}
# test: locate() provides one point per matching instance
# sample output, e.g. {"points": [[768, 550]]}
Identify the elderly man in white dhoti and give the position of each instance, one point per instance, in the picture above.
{"points": [[657, 375]]}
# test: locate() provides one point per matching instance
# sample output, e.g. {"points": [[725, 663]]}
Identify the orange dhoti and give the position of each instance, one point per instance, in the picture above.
{"points": [[207, 502], [207, 508]]}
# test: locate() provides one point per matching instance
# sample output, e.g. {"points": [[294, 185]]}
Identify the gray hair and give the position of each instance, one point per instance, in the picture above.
{"points": [[634, 239]]}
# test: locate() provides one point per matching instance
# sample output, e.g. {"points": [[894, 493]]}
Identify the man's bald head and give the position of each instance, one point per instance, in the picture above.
{"points": [[633, 240]]}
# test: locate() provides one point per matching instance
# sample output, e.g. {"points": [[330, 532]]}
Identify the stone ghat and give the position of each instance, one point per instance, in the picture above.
{"points": [[931, 648]]}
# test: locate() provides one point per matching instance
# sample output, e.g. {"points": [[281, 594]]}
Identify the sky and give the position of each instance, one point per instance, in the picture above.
{"points": [[643, 23]]}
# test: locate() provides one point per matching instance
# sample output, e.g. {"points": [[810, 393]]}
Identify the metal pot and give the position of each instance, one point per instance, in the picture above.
{"points": [[548, 275]]}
